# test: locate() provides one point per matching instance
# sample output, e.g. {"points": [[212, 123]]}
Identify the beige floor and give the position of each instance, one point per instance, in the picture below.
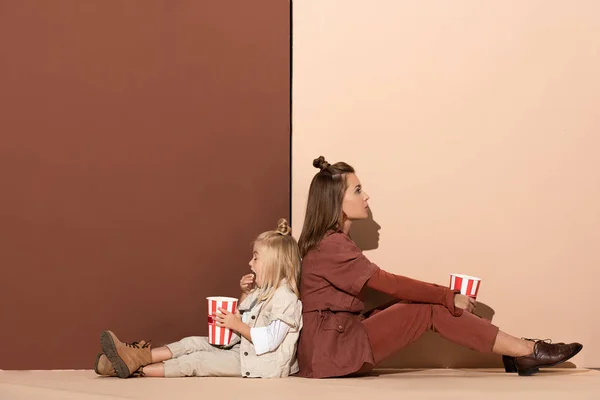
{"points": [[446, 384]]}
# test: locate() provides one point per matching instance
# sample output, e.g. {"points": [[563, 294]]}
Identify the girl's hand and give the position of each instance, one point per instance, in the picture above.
{"points": [[464, 302], [247, 283], [226, 319]]}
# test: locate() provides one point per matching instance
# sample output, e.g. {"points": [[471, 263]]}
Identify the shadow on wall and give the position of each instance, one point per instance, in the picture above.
{"points": [[365, 233], [431, 350]]}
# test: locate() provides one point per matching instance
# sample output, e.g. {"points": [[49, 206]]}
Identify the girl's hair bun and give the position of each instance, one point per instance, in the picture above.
{"points": [[283, 227]]}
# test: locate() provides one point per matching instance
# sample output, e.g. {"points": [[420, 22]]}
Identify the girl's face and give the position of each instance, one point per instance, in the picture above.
{"points": [[256, 265], [355, 204]]}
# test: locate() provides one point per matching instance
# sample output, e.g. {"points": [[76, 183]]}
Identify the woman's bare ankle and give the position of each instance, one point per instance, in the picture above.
{"points": [[511, 346], [529, 347], [526, 348]]}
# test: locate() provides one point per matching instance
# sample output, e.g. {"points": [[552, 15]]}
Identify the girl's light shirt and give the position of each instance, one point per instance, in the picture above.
{"points": [[268, 338]]}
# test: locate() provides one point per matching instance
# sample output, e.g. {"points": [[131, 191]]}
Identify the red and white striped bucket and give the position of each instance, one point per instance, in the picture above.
{"points": [[468, 285], [217, 335]]}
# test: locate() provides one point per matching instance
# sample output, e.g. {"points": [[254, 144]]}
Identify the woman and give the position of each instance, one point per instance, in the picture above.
{"points": [[337, 340]]}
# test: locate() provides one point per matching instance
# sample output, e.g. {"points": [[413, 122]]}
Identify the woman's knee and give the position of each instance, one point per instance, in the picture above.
{"points": [[438, 309]]}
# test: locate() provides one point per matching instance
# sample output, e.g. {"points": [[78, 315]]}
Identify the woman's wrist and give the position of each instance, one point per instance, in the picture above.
{"points": [[450, 295]]}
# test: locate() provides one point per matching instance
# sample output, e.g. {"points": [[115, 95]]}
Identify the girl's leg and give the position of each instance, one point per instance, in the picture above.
{"points": [[185, 346], [104, 367], [154, 370], [217, 362], [157, 368], [193, 356], [161, 354]]}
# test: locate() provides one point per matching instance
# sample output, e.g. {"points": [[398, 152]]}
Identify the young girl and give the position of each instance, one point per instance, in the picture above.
{"points": [[267, 330], [334, 273]]}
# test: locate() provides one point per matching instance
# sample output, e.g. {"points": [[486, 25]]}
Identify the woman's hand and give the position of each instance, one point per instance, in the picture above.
{"points": [[464, 302], [247, 283], [226, 319]]}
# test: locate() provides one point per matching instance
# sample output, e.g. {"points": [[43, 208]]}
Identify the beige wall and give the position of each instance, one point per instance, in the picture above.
{"points": [[475, 128]]}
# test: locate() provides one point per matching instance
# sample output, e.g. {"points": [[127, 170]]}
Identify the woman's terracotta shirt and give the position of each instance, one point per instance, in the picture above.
{"points": [[333, 341]]}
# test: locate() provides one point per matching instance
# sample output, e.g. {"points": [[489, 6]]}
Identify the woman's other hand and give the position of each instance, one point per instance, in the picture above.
{"points": [[464, 302]]}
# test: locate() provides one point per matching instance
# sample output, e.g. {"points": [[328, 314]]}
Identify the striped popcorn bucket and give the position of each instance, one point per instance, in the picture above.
{"points": [[468, 285], [217, 335]]}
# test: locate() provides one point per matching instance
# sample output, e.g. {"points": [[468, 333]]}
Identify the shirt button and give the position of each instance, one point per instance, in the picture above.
{"points": [[247, 373], [253, 317], [245, 353], [340, 327]]}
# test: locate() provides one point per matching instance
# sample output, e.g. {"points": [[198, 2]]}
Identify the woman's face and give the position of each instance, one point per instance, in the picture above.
{"points": [[355, 204]]}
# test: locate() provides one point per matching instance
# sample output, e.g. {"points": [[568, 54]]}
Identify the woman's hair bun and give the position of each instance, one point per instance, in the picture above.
{"points": [[320, 163], [283, 227]]}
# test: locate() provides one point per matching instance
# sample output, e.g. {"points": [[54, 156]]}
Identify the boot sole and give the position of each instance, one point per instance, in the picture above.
{"points": [[96, 363], [535, 370], [110, 350]]}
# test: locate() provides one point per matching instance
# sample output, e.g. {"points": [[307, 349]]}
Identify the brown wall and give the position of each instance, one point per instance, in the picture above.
{"points": [[475, 128], [143, 146]]}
